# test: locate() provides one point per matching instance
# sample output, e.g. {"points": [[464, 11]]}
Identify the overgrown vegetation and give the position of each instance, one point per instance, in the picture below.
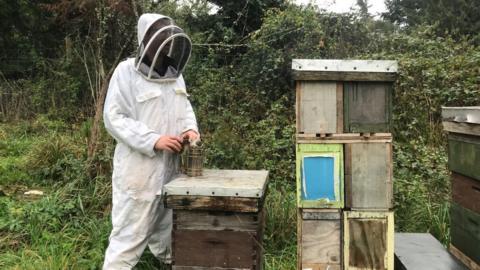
{"points": [[241, 88]]}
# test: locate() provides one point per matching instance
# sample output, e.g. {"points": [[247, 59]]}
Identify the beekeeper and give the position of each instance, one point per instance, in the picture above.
{"points": [[148, 113]]}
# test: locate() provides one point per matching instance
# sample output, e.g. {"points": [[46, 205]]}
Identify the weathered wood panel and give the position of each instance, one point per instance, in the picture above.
{"points": [[368, 176], [367, 106], [321, 242], [342, 138], [466, 192], [464, 154], [216, 221], [368, 240], [319, 175], [464, 128], [464, 258], [233, 204], [226, 249], [465, 231], [422, 251], [344, 70], [317, 107]]}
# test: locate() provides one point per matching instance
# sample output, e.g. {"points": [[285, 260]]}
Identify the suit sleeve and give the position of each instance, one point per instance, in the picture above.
{"points": [[118, 116]]}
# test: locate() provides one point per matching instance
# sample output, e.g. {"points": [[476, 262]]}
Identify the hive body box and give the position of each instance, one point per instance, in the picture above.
{"points": [[465, 231], [320, 244], [343, 96], [368, 240], [218, 220], [320, 175]]}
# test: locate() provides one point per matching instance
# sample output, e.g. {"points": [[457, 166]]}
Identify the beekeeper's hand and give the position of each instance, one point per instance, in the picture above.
{"points": [[169, 143], [191, 135]]}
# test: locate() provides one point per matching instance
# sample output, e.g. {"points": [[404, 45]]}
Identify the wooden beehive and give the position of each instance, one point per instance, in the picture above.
{"points": [[218, 219], [368, 240], [343, 96], [320, 242], [368, 176], [320, 175]]}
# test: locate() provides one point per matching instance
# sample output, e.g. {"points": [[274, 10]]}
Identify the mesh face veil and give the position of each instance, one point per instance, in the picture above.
{"points": [[163, 52]]}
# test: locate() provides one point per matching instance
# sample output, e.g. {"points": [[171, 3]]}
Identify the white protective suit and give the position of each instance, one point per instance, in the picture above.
{"points": [[137, 113]]}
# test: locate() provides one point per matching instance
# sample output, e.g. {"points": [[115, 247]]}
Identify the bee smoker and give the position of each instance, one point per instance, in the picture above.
{"points": [[192, 159]]}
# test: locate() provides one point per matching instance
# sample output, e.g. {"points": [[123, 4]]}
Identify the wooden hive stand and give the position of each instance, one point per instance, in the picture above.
{"points": [[218, 220]]}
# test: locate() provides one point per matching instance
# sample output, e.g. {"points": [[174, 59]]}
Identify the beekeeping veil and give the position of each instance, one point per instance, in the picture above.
{"points": [[163, 48]]}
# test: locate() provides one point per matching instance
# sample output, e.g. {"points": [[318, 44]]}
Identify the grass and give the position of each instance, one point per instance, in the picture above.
{"points": [[68, 227]]}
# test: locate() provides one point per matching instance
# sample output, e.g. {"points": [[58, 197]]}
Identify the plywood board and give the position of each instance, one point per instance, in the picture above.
{"points": [[233, 183], [344, 138], [368, 240], [466, 192], [314, 181], [321, 242], [465, 231], [367, 106], [464, 154], [368, 176], [422, 251], [317, 107]]}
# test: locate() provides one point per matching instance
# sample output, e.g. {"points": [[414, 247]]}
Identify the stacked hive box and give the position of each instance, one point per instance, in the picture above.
{"points": [[218, 220], [463, 127], [344, 163]]}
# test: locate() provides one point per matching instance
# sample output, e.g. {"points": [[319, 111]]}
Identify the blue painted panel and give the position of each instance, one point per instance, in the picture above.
{"points": [[318, 178]]}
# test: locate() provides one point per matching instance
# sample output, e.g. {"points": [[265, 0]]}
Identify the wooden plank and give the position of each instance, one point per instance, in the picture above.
{"points": [[367, 106], [464, 128], [216, 221], [323, 214], [299, 239], [317, 108], [466, 192], [465, 231], [469, 114], [344, 137], [344, 70], [422, 251], [339, 107], [233, 204], [368, 240], [233, 183], [225, 249], [368, 176], [329, 176], [341, 65], [298, 91], [464, 154], [464, 258]]}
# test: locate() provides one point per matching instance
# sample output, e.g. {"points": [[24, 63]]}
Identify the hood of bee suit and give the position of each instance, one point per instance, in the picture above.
{"points": [[163, 48]]}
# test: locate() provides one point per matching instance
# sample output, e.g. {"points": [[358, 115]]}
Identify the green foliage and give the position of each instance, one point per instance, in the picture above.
{"points": [[422, 189], [434, 72]]}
